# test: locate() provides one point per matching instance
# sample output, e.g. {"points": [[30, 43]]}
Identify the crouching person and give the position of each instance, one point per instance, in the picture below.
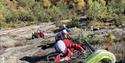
{"points": [[65, 49], [38, 34]]}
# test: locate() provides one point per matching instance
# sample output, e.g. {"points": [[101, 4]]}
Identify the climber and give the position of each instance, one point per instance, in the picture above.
{"points": [[38, 34], [65, 48]]}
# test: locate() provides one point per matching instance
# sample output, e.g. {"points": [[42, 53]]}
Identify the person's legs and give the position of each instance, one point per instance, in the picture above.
{"points": [[67, 54], [57, 58]]}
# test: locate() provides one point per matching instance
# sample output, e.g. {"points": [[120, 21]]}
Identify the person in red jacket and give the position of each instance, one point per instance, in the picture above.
{"points": [[40, 33], [65, 47]]}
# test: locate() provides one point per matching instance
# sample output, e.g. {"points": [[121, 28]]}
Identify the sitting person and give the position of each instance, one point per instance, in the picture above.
{"points": [[38, 34]]}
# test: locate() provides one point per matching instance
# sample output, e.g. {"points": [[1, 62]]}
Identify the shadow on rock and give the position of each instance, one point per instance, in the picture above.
{"points": [[57, 30], [33, 59], [30, 38]]}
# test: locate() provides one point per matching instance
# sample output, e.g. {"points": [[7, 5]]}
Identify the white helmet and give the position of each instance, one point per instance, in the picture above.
{"points": [[33, 32], [64, 25], [38, 31], [64, 31]]}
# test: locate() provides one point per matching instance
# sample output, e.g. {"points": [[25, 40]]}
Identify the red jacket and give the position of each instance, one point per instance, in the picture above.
{"points": [[70, 44], [67, 36], [40, 34]]}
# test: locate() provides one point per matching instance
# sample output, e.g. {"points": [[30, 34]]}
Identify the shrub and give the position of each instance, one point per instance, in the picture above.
{"points": [[54, 14], [3, 24], [40, 13], [43, 17], [62, 12], [118, 8], [118, 5], [11, 17], [99, 9], [80, 4], [46, 3], [0, 25], [3, 8], [90, 38], [25, 3], [32, 10], [96, 9], [25, 14], [75, 22]]}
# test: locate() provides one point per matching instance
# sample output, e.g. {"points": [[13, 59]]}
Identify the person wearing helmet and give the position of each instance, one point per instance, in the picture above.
{"points": [[64, 47], [40, 33], [66, 34], [62, 35], [59, 36]]}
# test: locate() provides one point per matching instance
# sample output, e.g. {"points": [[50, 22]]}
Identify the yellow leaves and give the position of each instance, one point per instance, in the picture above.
{"points": [[110, 34], [46, 3], [76, 4], [80, 4], [1, 16], [97, 9], [103, 2]]}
